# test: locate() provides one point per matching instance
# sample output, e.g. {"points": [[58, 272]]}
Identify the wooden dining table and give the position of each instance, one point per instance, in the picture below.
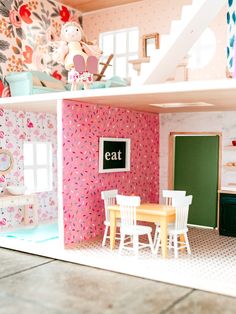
{"points": [[148, 212]]}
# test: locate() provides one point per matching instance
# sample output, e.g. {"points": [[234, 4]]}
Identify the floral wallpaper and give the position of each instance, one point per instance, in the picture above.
{"points": [[27, 28], [15, 128], [83, 125]]}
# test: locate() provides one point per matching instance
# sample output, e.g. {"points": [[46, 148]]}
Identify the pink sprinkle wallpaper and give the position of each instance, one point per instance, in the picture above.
{"points": [[16, 127], [83, 125]]}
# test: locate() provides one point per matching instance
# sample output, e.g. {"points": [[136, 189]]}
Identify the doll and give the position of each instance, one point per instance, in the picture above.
{"points": [[79, 57], [72, 36]]}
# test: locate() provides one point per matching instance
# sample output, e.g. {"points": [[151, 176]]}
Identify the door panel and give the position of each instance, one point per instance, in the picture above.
{"points": [[196, 171]]}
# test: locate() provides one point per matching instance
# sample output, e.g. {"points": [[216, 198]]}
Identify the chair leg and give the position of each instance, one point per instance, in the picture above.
{"points": [[151, 243], [187, 243], [170, 241], [155, 235], [122, 241], [135, 244], [158, 242], [105, 236], [176, 245]]}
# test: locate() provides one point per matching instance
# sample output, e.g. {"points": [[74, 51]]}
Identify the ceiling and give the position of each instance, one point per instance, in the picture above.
{"points": [[92, 5]]}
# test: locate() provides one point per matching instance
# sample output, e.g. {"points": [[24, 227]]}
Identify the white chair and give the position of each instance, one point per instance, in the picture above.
{"points": [[129, 226], [169, 195], [109, 198], [180, 227]]}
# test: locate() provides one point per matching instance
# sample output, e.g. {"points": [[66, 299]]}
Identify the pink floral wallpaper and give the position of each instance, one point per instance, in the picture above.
{"points": [[15, 128], [26, 28], [83, 125]]}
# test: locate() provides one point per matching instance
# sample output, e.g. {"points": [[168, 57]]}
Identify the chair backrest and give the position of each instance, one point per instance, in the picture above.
{"points": [[109, 198], [106, 64], [181, 205], [128, 206], [170, 194]]}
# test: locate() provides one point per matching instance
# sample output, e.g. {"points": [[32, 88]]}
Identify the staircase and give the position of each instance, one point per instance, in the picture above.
{"points": [[175, 46]]}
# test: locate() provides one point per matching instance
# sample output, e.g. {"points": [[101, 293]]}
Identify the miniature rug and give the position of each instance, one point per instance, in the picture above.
{"points": [[41, 233]]}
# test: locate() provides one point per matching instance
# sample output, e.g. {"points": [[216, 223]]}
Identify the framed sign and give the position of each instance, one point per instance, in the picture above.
{"points": [[114, 154]]}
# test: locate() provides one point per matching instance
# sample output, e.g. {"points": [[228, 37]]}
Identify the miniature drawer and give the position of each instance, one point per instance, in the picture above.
{"points": [[22, 200], [9, 201]]}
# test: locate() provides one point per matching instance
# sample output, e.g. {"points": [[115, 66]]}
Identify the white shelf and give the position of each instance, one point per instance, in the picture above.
{"points": [[227, 190], [231, 168], [230, 147], [218, 95]]}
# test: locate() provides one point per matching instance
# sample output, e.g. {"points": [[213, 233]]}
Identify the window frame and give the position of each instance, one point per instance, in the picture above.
{"points": [[35, 166], [200, 48], [126, 54]]}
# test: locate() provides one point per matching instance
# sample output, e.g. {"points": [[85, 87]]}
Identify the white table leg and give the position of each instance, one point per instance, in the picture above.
{"points": [[35, 212], [26, 214]]}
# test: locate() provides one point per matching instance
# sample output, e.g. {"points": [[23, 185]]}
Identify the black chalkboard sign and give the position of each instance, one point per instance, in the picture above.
{"points": [[114, 154]]}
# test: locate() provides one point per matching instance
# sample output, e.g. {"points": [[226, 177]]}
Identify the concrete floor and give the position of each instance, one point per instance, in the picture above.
{"points": [[32, 284]]}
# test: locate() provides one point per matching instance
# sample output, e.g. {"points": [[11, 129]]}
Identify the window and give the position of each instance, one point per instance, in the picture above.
{"points": [[124, 44], [203, 51], [38, 166]]}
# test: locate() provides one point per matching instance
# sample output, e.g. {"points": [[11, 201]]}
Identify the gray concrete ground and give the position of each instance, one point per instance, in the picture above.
{"points": [[36, 285]]}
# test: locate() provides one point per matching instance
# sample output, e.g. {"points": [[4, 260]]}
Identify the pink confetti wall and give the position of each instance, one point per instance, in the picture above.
{"points": [[83, 125]]}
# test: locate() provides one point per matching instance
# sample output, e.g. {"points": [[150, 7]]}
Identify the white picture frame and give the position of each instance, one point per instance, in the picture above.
{"points": [[108, 160]]}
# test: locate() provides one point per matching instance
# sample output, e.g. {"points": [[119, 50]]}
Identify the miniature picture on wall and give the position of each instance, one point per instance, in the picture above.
{"points": [[114, 154], [150, 43], [6, 161]]}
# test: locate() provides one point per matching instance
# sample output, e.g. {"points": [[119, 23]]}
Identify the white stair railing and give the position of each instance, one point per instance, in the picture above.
{"points": [[175, 46]]}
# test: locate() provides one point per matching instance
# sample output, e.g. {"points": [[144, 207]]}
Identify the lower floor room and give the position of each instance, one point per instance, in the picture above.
{"points": [[56, 156]]}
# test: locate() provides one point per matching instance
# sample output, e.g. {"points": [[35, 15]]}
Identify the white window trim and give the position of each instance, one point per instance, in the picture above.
{"points": [[127, 54], [200, 49], [35, 166]]}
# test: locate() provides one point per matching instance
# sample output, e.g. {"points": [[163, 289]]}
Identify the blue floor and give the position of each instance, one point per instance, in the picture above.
{"points": [[37, 234]]}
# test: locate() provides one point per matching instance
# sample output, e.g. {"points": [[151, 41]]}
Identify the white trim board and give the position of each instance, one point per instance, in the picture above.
{"points": [[217, 95]]}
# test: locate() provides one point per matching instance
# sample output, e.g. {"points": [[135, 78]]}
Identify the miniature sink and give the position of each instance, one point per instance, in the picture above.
{"points": [[16, 189]]}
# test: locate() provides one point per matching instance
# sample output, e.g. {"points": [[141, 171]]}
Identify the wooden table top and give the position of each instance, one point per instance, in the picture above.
{"points": [[149, 209]]}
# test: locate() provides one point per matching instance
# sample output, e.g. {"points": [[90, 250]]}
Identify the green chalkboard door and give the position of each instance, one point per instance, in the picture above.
{"points": [[196, 161]]}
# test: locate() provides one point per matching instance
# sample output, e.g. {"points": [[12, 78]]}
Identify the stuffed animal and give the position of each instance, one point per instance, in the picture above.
{"points": [[78, 56]]}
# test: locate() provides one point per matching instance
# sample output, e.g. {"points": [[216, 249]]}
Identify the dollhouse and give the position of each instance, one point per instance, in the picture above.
{"points": [[151, 113]]}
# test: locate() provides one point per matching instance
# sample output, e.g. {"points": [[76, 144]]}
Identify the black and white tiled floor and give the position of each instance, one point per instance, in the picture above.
{"points": [[210, 267]]}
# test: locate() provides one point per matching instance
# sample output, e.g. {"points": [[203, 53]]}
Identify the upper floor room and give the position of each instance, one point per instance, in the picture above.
{"points": [[131, 30]]}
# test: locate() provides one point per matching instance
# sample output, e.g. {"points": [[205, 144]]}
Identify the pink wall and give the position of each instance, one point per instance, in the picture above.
{"points": [[15, 128], [83, 125], [155, 16]]}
